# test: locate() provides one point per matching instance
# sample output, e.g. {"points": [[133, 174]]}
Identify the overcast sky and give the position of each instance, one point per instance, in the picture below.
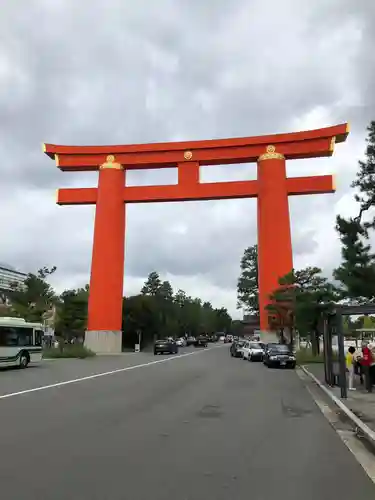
{"points": [[121, 71]]}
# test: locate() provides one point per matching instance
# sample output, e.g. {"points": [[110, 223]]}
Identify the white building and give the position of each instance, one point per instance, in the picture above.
{"points": [[8, 276]]}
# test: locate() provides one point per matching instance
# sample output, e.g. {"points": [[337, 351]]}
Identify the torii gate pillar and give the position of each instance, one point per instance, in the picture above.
{"points": [[275, 255], [104, 332]]}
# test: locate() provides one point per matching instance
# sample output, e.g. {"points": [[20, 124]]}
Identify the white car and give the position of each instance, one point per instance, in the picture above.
{"points": [[181, 342], [252, 351]]}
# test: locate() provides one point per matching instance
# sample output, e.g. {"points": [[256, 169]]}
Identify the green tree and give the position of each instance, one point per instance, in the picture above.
{"points": [[167, 309], [180, 298], [71, 320], [223, 320], [165, 290], [237, 327], [300, 301], [357, 270], [7, 311], [365, 180], [247, 285], [152, 285], [183, 311], [192, 316], [35, 297], [368, 323], [140, 313], [157, 312]]}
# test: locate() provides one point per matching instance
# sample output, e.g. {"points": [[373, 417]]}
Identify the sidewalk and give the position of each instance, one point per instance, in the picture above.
{"points": [[361, 403]]}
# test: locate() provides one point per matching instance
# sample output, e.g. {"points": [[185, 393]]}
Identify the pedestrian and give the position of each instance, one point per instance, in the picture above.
{"points": [[350, 367], [357, 365], [366, 362]]}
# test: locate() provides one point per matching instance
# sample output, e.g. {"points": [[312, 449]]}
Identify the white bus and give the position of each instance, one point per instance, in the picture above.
{"points": [[20, 342]]}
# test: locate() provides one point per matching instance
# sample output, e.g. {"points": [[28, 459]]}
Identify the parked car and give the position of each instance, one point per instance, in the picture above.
{"points": [[279, 355], [255, 351], [270, 345], [165, 347], [228, 339], [236, 348], [181, 342], [201, 341], [190, 340]]}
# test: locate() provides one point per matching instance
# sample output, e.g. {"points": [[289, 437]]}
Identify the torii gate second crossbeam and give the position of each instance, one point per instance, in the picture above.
{"points": [[271, 189]]}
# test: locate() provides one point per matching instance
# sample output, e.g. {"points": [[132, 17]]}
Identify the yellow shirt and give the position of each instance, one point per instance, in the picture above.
{"points": [[349, 360]]}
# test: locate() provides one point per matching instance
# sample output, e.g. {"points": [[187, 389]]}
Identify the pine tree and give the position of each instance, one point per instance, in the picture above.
{"points": [[152, 285], [180, 298], [299, 302], [247, 285], [357, 270], [166, 290], [365, 178]]}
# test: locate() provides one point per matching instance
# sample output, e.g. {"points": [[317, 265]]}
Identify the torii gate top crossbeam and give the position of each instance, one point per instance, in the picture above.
{"points": [[296, 145]]}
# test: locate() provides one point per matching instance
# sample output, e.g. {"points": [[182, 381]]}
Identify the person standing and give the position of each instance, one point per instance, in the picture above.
{"points": [[350, 367], [358, 370], [366, 362]]}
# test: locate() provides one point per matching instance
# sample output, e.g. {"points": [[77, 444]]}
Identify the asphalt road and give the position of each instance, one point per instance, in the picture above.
{"points": [[200, 427]]}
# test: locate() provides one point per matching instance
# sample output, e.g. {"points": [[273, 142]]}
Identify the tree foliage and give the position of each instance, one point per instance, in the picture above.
{"points": [[299, 302], [156, 312], [247, 285], [7, 311], [357, 270], [159, 312], [71, 314], [35, 297], [152, 285]]}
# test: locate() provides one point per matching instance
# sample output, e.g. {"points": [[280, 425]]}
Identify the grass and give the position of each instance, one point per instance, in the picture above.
{"points": [[306, 356], [68, 351]]}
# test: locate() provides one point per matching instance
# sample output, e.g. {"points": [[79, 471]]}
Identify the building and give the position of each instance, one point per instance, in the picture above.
{"points": [[251, 323], [8, 276]]}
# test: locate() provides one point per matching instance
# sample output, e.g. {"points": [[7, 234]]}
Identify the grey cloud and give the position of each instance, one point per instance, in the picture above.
{"points": [[120, 72]]}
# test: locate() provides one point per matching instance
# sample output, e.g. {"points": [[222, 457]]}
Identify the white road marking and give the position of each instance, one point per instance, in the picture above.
{"points": [[103, 374]]}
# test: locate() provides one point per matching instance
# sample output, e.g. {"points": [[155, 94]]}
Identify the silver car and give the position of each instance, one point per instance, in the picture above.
{"points": [[256, 351]]}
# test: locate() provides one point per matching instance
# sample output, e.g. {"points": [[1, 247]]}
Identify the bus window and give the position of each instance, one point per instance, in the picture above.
{"points": [[25, 336], [8, 336], [38, 337]]}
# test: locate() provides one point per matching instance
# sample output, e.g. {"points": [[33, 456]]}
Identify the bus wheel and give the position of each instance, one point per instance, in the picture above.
{"points": [[24, 360]]}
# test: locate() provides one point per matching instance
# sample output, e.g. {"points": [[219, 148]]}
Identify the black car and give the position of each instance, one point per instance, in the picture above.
{"points": [[279, 355], [270, 345], [235, 348], [165, 347], [201, 341]]}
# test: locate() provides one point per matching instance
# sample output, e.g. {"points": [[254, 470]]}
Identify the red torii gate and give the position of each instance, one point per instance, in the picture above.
{"points": [[271, 189]]}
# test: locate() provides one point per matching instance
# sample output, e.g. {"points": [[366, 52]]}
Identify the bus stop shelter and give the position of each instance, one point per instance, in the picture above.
{"points": [[335, 372]]}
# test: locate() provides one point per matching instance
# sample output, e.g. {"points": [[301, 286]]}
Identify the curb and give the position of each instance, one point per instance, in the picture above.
{"points": [[368, 433]]}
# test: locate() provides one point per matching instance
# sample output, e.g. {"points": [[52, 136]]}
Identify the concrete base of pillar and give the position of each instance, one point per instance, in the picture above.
{"points": [[104, 341], [269, 337]]}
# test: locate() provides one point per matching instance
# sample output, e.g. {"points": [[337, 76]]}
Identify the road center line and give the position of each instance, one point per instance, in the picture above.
{"points": [[103, 374]]}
